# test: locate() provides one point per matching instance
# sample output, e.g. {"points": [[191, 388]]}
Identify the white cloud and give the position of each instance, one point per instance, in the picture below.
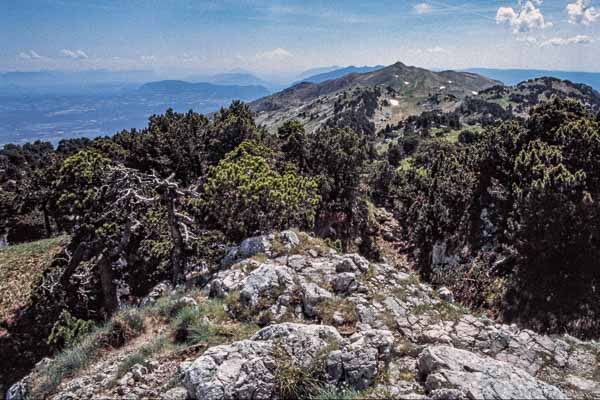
{"points": [[30, 55], [527, 17], [75, 54], [558, 41], [275, 54], [423, 8], [582, 12]]}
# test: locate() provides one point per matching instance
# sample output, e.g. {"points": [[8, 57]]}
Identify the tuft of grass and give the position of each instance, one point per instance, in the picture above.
{"points": [[141, 355], [326, 310], [406, 374], [208, 323], [70, 361], [292, 380], [370, 274], [308, 242], [186, 319], [441, 311], [21, 267], [336, 394], [127, 324]]}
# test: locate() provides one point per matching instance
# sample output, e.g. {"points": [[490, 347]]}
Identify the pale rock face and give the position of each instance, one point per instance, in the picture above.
{"points": [[260, 245], [241, 370], [312, 296], [480, 377], [247, 369], [445, 294], [262, 281], [178, 393], [345, 283], [158, 291]]}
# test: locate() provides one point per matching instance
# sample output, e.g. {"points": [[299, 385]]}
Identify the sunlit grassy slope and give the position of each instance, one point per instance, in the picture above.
{"points": [[20, 267]]}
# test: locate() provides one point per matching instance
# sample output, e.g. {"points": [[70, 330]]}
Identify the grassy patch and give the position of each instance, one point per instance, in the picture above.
{"points": [[326, 310], [124, 326], [142, 354], [336, 394], [21, 267], [441, 311], [258, 313], [308, 242], [208, 323], [295, 381], [69, 361]]}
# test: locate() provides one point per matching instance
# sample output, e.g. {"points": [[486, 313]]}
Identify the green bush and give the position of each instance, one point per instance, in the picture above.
{"points": [[539, 183], [246, 193], [68, 330]]}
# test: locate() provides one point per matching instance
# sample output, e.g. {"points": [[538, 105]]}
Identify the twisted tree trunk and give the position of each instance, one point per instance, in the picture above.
{"points": [[176, 238]]}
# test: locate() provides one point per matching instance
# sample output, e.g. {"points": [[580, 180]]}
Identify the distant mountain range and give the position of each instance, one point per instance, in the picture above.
{"points": [[514, 76], [338, 73], [51, 105], [231, 78], [317, 71], [208, 91]]}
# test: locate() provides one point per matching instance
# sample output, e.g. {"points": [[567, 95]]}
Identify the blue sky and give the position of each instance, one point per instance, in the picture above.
{"points": [[285, 37]]}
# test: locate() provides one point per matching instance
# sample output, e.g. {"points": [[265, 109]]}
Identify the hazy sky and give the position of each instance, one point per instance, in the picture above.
{"points": [[275, 36]]}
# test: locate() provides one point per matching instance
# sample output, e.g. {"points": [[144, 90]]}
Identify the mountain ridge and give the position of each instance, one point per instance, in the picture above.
{"points": [[338, 73], [387, 97], [209, 90], [406, 89]]}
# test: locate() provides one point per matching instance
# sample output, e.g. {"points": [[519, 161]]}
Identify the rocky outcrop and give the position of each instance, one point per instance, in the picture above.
{"points": [[337, 322], [252, 368], [447, 343], [477, 377], [260, 245]]}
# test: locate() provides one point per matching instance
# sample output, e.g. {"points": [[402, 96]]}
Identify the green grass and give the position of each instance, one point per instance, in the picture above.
{"points": [[69, 361], [142, 354], [335, 394], [21, 267]]}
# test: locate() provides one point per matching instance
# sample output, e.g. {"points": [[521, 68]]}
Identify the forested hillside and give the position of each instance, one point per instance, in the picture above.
{"points": [[501, 210]]}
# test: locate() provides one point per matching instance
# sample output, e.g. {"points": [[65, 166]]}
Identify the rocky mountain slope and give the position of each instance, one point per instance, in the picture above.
{"points": [[402, 89], [338, 73], [333, 326], [387, 97], [525, 95]]}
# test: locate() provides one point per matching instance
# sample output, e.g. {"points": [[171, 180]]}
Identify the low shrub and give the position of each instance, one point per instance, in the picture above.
{"points": [[125, 325], [68, 330]]}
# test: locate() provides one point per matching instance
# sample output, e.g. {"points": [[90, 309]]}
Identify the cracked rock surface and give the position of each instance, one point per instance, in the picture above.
{"points": [[402, 338]]}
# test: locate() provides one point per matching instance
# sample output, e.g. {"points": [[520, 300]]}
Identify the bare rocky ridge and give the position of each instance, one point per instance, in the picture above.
{"points": [[337, 323]]}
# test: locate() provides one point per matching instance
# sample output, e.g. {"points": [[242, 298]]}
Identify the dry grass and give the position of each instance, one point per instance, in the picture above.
{"points": [[20, 268]]}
